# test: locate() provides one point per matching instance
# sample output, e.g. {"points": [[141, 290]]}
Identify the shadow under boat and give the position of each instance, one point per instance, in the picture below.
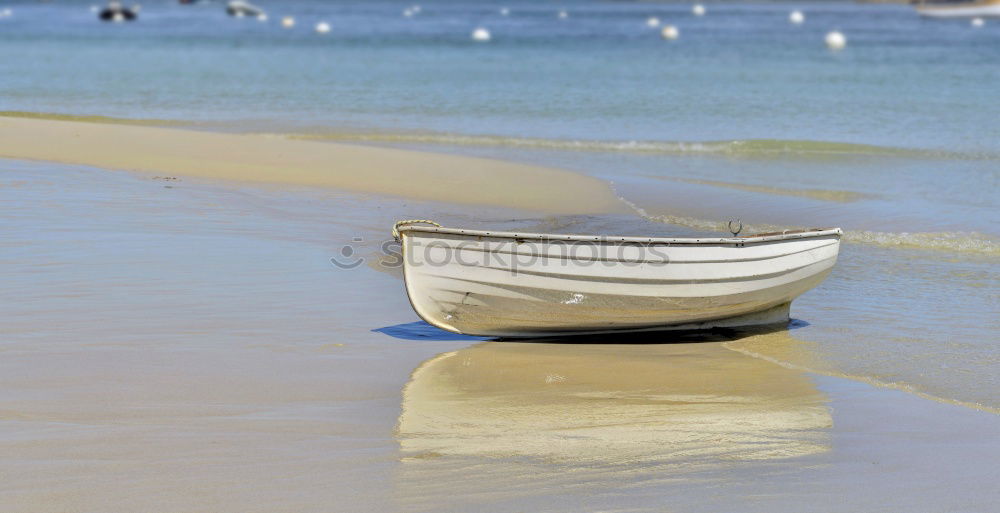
{"points": [[421, 330], [648, 398]]}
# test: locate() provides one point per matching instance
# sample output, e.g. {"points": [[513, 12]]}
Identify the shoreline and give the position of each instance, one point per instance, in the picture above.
{"points": [[864, 380], [506, 181], [275, 160]]}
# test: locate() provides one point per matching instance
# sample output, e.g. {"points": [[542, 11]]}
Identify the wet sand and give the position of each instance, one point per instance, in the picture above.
{"points": [[186, 345]]}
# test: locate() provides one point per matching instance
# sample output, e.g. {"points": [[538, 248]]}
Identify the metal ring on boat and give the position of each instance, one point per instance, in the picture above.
{"points": [[737, 230]]}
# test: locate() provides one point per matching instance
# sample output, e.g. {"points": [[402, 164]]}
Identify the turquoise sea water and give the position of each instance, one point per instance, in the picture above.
{"points": [[896, 138], [741, 72]]}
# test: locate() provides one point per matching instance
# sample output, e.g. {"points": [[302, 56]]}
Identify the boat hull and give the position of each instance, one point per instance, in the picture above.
{"points": [[530, 286], [981, 10]]}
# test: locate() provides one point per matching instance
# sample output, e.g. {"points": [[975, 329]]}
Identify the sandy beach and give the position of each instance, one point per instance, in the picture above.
{"points": [[280, 160], [186, 345], [203, 307]]}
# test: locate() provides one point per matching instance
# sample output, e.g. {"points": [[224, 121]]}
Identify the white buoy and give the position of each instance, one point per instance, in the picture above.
{"points": [[261, 17], [977, 22], [698, 10], [563, 15], [408, 13], [670, 33], [288, 22], [796, 17], [504, 11], [652, 22], [6, 13], [94, 9], [415, 9], [835, 40], [481, 35], [322, 27]]}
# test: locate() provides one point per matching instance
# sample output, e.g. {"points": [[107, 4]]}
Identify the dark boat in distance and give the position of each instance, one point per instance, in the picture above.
{"points": [[117, 12]]}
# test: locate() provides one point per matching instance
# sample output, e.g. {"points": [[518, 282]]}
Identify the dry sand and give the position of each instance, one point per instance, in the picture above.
{"points": [[276, 159]]}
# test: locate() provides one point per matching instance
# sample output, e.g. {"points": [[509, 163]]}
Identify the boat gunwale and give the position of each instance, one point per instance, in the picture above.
{"points": [[955, 4], [643, 261], [516, 236]]}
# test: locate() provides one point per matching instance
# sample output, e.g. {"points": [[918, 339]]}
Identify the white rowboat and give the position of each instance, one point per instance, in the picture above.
{"points": [[504, 284]]}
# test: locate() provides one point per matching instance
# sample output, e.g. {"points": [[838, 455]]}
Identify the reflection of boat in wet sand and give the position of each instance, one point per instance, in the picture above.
{"points": [[527, 284], [609, 404], [958, 8]]}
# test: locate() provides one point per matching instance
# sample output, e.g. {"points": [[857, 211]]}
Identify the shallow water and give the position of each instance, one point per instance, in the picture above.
{"points": [[741, 72]]}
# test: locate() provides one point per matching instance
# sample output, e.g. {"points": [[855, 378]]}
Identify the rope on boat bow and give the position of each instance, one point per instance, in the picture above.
{"points": [[395, 227]]}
